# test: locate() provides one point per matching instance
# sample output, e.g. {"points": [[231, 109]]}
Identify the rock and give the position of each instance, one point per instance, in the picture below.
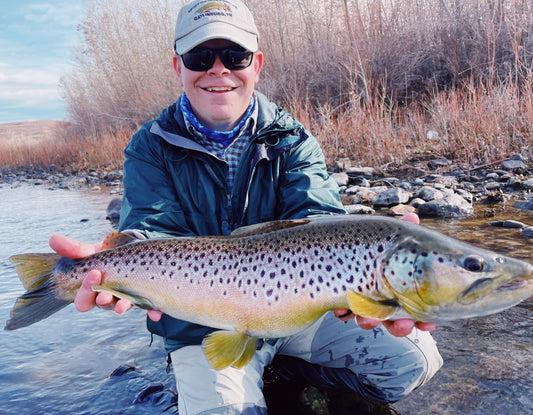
{"points": [[528, 184], [524, 205], [361, 171], [358, 209], [436, 163], [416, 202], [513, 165], [451, 206], [527, 232], [513, 224], [113, 209], [427, 193], [391, 197], [401, 210], [340, 178]]}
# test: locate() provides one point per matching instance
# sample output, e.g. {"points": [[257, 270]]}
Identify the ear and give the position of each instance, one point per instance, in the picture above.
{"points": [[176, 61], [258, 64]]}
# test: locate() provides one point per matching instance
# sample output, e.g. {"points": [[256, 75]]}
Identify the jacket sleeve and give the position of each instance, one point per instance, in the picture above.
{"points": [[305, 187], [149, 204]]}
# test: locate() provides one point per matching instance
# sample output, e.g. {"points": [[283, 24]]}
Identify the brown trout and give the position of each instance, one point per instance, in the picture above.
{"points": [[274, 279]]}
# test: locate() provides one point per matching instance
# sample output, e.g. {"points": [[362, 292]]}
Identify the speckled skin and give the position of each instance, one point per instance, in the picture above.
{"points": [[274, 279]]}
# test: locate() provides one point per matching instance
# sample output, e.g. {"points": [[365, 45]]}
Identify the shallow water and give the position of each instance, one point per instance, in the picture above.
{"points": [[64, 364]]}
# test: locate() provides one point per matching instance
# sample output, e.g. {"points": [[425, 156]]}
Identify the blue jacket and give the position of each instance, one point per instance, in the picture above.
{"points": [[174, 187]]}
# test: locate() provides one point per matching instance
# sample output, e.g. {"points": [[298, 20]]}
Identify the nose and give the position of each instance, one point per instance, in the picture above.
{"points": [[218, 67]]}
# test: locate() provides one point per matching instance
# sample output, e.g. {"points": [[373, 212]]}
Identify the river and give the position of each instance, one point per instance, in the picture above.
{"points": [[99, 362]]}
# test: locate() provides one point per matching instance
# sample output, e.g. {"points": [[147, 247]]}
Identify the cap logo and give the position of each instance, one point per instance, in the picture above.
{"points": [[213, 9]]}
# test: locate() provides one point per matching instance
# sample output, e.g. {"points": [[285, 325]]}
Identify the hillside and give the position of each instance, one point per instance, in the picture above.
{"points": [[29, 130]]}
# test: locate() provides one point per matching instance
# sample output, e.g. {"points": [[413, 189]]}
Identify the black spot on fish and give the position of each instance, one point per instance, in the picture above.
{"points": [[269, 293], [272, 275]]}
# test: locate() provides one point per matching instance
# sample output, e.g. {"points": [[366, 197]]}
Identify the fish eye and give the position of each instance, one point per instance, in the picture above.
{"points": [[474, 263]]}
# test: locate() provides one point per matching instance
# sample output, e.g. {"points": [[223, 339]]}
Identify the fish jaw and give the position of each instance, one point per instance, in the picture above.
{"points": [[449, 280]]}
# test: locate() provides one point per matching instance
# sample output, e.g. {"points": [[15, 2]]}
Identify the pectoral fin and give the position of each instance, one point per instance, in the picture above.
{"points": [[132, 297], [370, 308], [229, 348]]}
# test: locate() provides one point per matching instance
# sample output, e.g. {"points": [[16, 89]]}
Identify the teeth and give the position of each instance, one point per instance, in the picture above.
{"points": [[219, 89]]}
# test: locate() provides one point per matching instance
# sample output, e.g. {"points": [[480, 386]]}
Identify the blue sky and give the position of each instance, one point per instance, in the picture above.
{"points": [[36, 43]]}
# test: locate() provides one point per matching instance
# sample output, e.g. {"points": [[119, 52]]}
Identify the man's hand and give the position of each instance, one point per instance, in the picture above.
{"points": [[398, 328], [86, 298]]}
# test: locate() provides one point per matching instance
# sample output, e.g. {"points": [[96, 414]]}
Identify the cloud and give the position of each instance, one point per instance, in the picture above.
{"points": [[29, 90], [62, 13]]}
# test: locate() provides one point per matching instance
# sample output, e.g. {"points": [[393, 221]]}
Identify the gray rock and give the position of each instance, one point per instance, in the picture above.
{"points": [[361, 171], [451, 206], [513, 165], [513, 224], [391, 197], [436, 163], [340, 178], [429, 193], [527, 232], [113, 209], [528, 184], [469, 197], [357, 209], [416, 202], [524, 205]]}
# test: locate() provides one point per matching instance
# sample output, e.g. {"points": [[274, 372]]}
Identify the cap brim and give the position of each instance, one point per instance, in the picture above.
{"points": [[216, 30]]}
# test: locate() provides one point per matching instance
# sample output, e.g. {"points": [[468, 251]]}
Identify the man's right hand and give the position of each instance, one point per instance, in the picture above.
{"points": [[86, 298]]}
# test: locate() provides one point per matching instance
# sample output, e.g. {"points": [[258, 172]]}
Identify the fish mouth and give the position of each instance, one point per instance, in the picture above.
{"points": [[512, 285]]}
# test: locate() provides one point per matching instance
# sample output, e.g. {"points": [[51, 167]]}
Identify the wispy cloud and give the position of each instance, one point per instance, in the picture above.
{"points": [[36, 38]]}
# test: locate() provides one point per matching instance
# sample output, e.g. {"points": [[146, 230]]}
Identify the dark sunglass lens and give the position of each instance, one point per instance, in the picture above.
{"points": [[236, 59], [199, 59]]}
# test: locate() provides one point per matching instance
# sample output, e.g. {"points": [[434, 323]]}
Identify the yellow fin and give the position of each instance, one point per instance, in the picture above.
{"points": [[370, 308], [36, 272], [115, 239], [229, 348], [267, 227]]}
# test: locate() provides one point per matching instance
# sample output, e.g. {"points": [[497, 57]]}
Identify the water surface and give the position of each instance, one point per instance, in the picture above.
{"points": [[64, 364]]}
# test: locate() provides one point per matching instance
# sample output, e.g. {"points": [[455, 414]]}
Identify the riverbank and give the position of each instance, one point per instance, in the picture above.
{"points": [[434, 188]]}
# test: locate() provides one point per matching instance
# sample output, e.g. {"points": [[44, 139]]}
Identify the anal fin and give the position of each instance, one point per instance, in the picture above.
{"points": [[229, 348]]}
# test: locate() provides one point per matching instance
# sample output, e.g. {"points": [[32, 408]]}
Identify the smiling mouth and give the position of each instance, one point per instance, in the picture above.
{"points": [[219, 89]]}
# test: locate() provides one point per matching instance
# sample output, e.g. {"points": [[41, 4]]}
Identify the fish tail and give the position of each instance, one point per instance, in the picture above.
{"points": [[39, 301]]}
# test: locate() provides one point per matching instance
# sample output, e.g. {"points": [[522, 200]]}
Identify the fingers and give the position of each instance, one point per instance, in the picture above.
{"points": [[154, 315], [71, 248], [85, 297], [411, 217], [398, 328]]}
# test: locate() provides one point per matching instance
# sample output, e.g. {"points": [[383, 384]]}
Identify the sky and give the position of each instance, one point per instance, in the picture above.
{"points": [[36, 43]]}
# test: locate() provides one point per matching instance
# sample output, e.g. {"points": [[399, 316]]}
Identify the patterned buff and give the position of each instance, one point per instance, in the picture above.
{"points": [[223, 137]]}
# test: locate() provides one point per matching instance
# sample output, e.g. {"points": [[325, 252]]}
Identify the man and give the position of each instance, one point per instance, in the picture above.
{"points": [[221, 157]]}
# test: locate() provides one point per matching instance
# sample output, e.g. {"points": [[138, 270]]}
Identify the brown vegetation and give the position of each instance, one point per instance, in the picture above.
{"points": [[369, 78]]}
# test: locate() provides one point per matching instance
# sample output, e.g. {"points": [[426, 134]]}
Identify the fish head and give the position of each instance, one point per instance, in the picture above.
{"points": [[435, 278]]}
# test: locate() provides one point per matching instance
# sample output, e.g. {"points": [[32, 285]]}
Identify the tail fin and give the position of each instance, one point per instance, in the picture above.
{"points": [[39, 301]]}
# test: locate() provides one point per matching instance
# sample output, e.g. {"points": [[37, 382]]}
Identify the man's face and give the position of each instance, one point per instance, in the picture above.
{"points": [[219, 97]]}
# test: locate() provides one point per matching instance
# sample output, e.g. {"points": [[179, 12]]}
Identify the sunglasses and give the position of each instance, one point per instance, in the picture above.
{"points": [[201, 59]]}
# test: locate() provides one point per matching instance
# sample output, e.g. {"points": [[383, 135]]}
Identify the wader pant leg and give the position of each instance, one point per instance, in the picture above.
{"points": [[373, 363], [329, 353], [230, 391]]}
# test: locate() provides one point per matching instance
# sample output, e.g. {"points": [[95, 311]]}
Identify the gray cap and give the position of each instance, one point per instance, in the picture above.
{"points": [[203, 20]]}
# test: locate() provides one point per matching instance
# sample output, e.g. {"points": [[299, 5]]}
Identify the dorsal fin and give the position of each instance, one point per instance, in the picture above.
{"points": [[116, 239], [266, 227]]}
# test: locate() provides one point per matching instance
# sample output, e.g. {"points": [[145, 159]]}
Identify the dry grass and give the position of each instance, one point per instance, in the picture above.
{"points": [[370, 78]]}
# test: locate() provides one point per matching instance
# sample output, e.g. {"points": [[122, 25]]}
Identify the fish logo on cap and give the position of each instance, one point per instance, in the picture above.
{"points": [[214, 7]]}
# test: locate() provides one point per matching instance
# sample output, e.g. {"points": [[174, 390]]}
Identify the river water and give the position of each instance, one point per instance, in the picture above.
{"points": [[99, 362]]}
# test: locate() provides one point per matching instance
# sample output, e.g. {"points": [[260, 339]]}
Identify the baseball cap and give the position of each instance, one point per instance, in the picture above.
{"points": [[203, 20]]}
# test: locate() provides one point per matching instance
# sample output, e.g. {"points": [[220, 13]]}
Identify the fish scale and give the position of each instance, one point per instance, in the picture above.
{"points": [[274, 279]]}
